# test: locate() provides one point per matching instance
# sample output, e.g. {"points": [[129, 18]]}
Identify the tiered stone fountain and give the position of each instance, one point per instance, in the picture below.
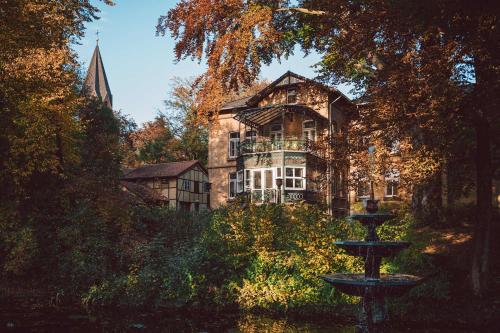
{"points": [[372, 286]]}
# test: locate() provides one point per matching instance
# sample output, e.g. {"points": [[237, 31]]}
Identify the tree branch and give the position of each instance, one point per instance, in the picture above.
{"points": [[302, 10]]}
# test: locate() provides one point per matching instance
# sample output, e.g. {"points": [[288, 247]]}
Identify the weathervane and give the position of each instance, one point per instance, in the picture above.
{"points": [[97, 37]]}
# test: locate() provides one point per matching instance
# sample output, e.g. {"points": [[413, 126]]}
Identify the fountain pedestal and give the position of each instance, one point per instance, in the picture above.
{"points": [[372, 286]]}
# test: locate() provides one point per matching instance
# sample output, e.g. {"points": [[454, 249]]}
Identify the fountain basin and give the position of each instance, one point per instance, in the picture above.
{"points": [[358, 285], [376, 248], [373, 219]]}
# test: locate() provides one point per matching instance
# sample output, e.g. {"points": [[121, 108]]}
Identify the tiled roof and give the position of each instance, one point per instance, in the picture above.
{"points": [[237, 103], [161, 170], [96, 82]]}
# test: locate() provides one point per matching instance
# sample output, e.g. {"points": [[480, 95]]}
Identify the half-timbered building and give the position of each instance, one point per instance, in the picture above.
{"points": [[180, 185]]}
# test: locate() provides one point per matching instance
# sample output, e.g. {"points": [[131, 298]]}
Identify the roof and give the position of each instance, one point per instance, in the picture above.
{"points": [[140, 193], [289, 78], [161, 170], [260, 116], [237, 103], [96, 82]]}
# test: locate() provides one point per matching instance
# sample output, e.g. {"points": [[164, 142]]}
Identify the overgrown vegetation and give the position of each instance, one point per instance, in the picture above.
{"points": [[263, 258]]}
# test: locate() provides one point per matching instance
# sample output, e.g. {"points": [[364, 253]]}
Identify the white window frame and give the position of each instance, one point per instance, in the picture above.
{"points": [[233, 146], [186, 185], [239, 182], [391, 177], [279, 173], [232, 179], [248, 179], [289, 93], [310, 130], [263, 183], [303, 178]]}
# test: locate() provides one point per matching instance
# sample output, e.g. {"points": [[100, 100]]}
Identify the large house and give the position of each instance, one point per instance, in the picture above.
{"points": [[273, 146], [180, 185]]}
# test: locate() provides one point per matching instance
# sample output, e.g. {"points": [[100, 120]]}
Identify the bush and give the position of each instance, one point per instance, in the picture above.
{"points": [[271, 257], [266, 257], [159, 255]]}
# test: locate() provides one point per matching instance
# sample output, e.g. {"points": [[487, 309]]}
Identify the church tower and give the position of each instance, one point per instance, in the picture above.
{"points": [[96, 82]]}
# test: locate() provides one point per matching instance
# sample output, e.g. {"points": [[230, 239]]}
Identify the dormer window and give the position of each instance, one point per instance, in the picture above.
{"points": [[291, 96]]}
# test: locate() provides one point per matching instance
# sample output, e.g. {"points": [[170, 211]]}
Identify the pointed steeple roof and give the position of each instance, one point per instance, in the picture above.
{"points": [[96, 82]]}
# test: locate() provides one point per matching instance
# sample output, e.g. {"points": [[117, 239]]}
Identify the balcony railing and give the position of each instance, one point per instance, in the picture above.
{"points": [[290, 196], [264, 145], [264, 196]]}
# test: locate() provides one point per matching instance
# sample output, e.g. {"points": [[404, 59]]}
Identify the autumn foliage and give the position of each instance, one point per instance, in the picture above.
{"points": [[429, 71]]}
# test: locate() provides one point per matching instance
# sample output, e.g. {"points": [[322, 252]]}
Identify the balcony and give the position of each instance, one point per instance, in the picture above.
{"points": [[265, 145]]}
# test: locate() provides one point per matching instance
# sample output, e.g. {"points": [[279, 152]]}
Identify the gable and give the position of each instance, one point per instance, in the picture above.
{"points": [[195, 173], [314, 94], [288, 79]]}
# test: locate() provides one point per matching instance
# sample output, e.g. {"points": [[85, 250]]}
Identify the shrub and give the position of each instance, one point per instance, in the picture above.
{"points": [[271, 257]]}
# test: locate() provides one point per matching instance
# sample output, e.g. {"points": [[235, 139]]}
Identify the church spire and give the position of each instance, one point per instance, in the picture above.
{"points": [[96, 82]]}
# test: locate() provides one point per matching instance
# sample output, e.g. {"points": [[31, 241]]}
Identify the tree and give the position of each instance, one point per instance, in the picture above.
{"points": [[155, 142], [39, 126], [181, 109], [431, 69], [179, 133]]}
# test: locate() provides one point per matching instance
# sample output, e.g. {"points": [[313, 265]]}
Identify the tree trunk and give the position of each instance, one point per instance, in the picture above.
{"points": [[480, 259]]}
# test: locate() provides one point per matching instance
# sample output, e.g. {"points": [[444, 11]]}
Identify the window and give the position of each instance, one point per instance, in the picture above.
{"points": [[206, 187], [234, 144], [391, 188], [308, 124], [309, 130], [276, 136], [251, 135], [391, 184], [291, 96], [196, 187], [257, 194], [232, 185], [276, 128], [278, 172], [239, 183], [257, 179], [363, 189], [186, 185], [294, 178], [248, 180]]}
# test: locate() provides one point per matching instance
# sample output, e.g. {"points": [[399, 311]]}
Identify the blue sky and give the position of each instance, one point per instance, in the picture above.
{"points": [[140, 65]]}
